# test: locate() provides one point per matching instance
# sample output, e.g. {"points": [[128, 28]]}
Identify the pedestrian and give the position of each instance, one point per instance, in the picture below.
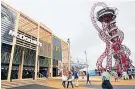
{"points": [[106, 80], [64, 79], [70, 80], [119, 75], [76, 76], [124, 75], [33, 75], [130, 74], [133, 74], [115, 76], [88, 78]]}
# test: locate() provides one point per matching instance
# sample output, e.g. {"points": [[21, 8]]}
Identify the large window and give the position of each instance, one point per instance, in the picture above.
{"points": [[44, 61], [5, 53]]}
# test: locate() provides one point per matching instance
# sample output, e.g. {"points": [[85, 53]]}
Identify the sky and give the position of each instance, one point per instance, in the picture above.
{"points": [[71, 19]]}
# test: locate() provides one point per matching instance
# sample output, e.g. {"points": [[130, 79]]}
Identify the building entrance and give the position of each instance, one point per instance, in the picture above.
{"points": [[14, 72], [4, 72], [28, 72], [44, 71], [55, 72]]}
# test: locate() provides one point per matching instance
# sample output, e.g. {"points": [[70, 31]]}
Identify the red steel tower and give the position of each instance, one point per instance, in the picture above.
{"points": [[112, 36]]}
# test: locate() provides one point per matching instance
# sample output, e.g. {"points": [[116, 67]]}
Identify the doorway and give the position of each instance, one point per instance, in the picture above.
{"points": [[14, 72], [44, 71], [55, 72], [4, 72], [28, 72]]}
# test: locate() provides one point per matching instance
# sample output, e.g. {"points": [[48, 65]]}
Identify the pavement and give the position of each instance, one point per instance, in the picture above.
{"points": [[55, 83], [121, 84], [33, 86], [114, 86], [17, 83]]}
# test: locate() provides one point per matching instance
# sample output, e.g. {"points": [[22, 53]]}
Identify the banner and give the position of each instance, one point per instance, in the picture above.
{"points": [[57, 49], [8, 18]]}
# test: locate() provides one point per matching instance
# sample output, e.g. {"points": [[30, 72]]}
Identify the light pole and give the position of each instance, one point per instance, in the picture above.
{"points": [[86, 60], [69, 57]]}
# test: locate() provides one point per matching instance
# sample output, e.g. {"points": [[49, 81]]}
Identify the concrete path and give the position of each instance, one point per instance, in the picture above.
{"points": [[56, 83], [33, 86], [83, 86], [114, 86], [16, 83]]}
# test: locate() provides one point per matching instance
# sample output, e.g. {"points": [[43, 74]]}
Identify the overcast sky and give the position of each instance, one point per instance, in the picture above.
{"points": [[71, 19]]}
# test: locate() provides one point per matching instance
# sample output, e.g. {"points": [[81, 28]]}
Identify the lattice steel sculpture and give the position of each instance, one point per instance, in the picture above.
{"points": [[112, 36]]}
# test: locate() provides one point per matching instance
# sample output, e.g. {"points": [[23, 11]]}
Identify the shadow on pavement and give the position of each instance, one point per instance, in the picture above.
{"points": [[114, 86], [33, 86]]}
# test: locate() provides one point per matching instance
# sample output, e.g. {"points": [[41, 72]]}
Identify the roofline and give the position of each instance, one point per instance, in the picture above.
{"points": [[34, 21], [65, 41], [46, 28], [10, 7], [60, 39], [28, 17]]}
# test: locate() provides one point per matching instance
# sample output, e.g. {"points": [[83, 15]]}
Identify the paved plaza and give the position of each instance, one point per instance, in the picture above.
{"points": [[55, 83], [96, 84], [83, 87], [114, 86]]}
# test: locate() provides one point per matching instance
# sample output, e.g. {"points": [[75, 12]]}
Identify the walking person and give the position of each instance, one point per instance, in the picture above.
{"points": [[33, 75], [119, 75], [124, 75], [115, 76], [133, 74], [88, 78], [70, 80], [76, 76], [106, 80], [130, 74], [64, 79], [120, 72]]}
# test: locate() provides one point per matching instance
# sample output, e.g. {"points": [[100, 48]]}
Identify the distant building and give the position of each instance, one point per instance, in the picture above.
{"points": [[76, 66]]}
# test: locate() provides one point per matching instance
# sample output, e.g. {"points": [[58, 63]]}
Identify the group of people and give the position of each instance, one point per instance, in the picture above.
{"points": [[125, 74], [128, 74], [106, 75], [68, 79]]}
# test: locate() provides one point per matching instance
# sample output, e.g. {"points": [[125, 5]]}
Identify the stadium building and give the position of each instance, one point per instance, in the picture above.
{"points": [[28, 48]]}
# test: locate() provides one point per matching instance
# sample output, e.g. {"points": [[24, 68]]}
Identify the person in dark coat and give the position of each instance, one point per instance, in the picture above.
{"points": [[33, 75], [88, 78], [106, 80]]}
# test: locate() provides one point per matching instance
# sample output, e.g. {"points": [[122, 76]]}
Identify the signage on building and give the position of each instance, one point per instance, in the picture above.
{"points": [[20, 36], [57, 49]]}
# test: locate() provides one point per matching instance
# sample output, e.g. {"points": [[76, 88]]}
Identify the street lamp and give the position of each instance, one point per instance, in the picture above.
{"points": [[86, 60], [68, 40]]}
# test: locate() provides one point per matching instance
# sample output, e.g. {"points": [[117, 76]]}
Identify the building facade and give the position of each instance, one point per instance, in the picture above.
{"points": [[28, 48]]}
